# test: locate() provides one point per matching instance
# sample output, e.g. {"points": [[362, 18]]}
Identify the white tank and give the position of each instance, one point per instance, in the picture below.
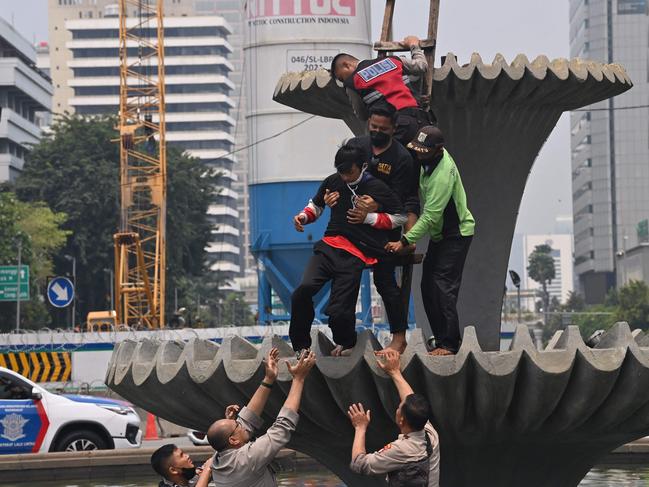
{"points": [[285, 171], [296, 35]]}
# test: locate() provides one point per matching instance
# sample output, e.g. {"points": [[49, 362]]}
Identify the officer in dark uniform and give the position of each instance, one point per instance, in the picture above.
{"points": [[386, 82], [390, 162]]}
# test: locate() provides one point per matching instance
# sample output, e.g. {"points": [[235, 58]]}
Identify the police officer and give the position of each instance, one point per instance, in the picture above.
{"points": [[177, 468], [386, 82], [412, 460], [446, 219], [241, 462], [390, 162]]}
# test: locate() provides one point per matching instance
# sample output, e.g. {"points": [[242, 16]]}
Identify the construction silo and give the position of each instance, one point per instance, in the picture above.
{"points": [[291, 152]]}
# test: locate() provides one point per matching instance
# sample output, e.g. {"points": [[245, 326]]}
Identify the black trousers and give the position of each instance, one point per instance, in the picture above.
{"points": [[344, 271], [386, 285], [440, 286], [408, 122]]}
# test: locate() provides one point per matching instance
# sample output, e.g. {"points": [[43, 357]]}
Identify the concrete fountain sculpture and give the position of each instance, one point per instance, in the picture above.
{"points": [[512, 418], [495, 117]]}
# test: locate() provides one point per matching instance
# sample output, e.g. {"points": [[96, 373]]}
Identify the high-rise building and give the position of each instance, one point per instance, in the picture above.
{"points": [[561, 246], [24, 92], [609, 142], [233, 12], [198, 93]]}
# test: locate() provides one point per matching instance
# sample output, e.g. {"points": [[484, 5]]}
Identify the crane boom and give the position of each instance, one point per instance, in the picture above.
{"points": [[140, 246]]}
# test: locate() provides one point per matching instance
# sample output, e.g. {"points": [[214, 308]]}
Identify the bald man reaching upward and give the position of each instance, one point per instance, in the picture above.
{"points": [[241, 461]]}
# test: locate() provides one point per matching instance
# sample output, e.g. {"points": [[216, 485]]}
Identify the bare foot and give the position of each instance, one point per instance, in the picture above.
{"points": [[339, 351], [440, 352], [398, 343]]}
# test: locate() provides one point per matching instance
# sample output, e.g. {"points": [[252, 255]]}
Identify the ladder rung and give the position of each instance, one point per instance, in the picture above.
{"points": [[397, 47]]}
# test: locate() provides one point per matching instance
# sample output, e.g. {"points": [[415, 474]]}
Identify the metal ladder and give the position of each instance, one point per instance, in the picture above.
{"points": [[386, 45]]}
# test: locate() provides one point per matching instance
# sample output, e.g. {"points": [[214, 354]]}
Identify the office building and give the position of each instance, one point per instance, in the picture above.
{"points": [[198, 95], [24, 92], [609, 142], [233, 12]]}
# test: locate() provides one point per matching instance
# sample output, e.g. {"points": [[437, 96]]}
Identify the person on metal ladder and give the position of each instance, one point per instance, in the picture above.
{"points": [[386, 82]]}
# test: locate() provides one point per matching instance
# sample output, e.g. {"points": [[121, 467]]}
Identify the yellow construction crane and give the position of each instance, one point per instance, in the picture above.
{"points": [[140, 242]]}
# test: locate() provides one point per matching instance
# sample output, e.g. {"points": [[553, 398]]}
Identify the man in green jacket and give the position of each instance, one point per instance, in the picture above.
{"points": [[446, 219]]}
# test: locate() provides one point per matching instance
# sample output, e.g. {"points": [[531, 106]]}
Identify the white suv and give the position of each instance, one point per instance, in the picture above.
{"points": [[35, 420]]}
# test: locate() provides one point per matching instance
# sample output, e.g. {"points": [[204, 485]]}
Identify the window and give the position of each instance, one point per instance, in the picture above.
{"points": [[13, 388]]}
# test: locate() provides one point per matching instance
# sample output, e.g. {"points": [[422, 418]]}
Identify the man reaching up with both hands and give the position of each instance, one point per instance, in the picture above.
{"points": [[241, 461], [413, 458]]}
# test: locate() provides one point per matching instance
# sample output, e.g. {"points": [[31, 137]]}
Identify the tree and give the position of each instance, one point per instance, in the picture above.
{"points": [[541, 270], [75, 170], [236, 311], [634, 305], [574, 302], [39, 231]]}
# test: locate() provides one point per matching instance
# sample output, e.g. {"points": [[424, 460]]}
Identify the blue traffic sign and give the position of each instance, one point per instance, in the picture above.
{"points": [[60, 292]]}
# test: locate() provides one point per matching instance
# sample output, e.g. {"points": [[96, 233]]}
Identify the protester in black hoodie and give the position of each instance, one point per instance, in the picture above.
{"points": [[345, 250]]}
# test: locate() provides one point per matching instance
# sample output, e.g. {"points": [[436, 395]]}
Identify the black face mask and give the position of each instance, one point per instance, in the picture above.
{"points": [[188, 473], [379, 139]]}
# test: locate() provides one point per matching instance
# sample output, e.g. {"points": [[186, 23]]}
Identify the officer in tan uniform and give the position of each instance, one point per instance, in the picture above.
{"points": [[239, 460], [412, 460]]}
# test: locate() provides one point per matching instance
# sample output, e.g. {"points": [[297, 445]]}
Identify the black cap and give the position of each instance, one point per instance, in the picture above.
{"points": [[427, 139]]}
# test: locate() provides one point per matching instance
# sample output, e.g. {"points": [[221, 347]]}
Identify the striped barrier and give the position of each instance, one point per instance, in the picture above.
{"points": [[39, 366]]}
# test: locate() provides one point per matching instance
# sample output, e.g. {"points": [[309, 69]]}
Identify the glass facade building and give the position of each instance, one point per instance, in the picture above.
{"points": [[609, 142]]}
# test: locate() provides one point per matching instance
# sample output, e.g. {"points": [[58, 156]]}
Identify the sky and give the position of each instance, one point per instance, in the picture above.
{"points": [[509, 27]]}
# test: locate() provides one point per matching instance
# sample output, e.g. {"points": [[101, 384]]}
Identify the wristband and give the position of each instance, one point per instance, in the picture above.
{"points": [[404, 241], [266, 384]]}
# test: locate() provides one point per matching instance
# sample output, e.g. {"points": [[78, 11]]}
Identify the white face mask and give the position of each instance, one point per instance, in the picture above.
{"points": [[360, 177]]}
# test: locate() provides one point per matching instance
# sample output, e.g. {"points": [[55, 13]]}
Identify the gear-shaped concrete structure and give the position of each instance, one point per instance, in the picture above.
{"points": [[506, 419], [496, 117]]}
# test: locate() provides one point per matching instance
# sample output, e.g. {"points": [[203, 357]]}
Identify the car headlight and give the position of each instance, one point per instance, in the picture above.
{"points": [[116, 408]]}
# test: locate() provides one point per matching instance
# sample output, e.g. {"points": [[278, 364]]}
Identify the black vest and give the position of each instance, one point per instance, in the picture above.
{"points": [[413, 474]]}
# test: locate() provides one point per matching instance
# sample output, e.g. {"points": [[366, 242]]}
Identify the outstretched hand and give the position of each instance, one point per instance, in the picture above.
{"points": [[358, 416], [231, 411], [272, 368], [388, 361], [305, 363]]}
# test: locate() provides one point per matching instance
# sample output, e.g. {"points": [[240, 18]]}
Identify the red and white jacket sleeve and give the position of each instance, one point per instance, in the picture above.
{"points": [[311, 212], [385, 221]]}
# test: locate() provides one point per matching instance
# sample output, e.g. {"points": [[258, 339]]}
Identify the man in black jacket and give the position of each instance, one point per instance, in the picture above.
{"points": [[344, 251], [390, 162]]}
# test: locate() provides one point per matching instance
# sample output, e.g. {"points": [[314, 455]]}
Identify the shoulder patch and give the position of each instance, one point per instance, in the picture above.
{"points": [[384, 168], [377, 69], [386, 447]]}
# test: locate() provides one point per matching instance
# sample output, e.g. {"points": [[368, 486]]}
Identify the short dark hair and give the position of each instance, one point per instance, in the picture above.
{"points": [[348, 155], [338, 57], [160, 459], [416, 411], [386, 112]]}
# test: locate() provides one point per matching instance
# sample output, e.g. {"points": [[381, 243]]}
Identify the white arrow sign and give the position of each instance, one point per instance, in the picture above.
{"points": [[61, 292]]}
